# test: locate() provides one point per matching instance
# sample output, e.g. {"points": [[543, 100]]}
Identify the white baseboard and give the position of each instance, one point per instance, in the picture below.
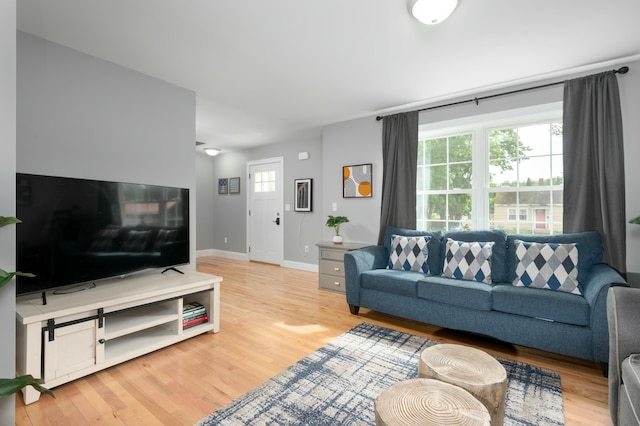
{"points": [[299, 265], [223, 253], [245, 256]]}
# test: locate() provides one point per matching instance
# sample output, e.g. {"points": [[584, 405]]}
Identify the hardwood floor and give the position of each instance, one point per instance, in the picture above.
{"points": [[270, 318]]}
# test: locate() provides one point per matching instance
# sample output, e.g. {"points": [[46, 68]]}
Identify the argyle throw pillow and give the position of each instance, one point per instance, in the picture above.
{"points": [[409, 253], [469, 261], [549, 266]]}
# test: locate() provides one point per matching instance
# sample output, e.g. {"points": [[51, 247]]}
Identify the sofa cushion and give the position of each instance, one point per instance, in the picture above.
{"points": [[499, 270], [409, 253], [549, 266], [434, 246], [468, 261], [468, 294], [402, 283], [547, 305], [589, 243]]}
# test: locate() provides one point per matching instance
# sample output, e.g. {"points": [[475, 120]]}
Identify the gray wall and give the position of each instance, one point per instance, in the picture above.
{"points": [[204, 202], [229, 212], [349, 143], [8, 197], [80, 116]]}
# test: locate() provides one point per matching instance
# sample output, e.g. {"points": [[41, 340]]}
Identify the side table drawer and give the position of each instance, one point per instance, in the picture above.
{"points": [[331, 282], [331, 267], [334, 254]]}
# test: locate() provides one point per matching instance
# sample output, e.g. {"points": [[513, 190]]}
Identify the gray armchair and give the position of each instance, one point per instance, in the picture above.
{"points": [[623, 313]]}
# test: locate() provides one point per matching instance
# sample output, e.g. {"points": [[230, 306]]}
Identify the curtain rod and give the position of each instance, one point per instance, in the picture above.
{"points": [[621, 70]]}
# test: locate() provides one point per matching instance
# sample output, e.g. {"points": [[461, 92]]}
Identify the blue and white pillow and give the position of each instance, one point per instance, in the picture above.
{"points": [[409, 253], [550, 266], [469, 261]]}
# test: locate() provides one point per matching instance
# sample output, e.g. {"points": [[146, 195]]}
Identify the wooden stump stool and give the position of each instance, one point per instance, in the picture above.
{"points": [[428, 402], [471, 369]]}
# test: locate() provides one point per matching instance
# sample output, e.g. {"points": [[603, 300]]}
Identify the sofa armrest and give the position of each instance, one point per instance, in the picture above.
{"points": [[358, 261], [623, 313], [600, 277]]}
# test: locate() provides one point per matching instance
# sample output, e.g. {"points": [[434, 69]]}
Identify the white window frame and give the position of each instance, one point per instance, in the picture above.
{"points": [[479, 127]]}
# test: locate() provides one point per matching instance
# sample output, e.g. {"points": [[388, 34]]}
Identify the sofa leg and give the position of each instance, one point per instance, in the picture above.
{"points": [[354, 309], [605, 369]]}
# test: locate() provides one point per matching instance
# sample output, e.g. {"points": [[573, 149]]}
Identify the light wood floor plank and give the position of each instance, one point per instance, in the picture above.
{"points": [[270, 318]]}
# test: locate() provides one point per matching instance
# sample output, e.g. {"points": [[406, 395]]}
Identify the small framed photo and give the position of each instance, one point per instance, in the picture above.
{"points": [[356, 181], [222, 186], [234, 185], [302, 195]]}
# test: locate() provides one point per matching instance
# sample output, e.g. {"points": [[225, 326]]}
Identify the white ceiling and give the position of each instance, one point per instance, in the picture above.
{"points": [[268, 71]]}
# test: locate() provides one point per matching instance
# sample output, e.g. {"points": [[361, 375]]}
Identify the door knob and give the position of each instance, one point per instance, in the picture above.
{"points": [[277, 221]]}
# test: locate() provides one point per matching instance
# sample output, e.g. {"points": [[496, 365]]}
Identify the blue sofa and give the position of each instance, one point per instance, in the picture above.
{"points": [[554, 321]]}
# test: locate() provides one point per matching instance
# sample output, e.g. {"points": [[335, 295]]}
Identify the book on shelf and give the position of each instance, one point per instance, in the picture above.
{"points": [[192, 306], [195, 316], [195, 321], [193, 313]]}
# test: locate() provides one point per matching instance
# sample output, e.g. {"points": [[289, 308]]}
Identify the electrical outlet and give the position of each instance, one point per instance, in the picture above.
{"points": [[226, 240], [306, 249], [334, 207]]}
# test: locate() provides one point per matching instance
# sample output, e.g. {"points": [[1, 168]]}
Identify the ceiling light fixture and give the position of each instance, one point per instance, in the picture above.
{"points": [[212, 151], [432, 12]]}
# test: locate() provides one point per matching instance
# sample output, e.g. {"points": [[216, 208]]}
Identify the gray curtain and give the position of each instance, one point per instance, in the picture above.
{"points": [[594, 193], [400, 164]]}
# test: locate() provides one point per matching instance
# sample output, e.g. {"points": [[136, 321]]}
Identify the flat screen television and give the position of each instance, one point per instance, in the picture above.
{"points": [[77, 231]]}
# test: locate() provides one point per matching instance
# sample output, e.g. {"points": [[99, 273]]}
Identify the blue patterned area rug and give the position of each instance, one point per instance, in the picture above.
{"points": [[337, 384]]}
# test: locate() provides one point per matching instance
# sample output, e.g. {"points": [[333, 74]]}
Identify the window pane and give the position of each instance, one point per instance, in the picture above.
{"points": [[435, 177], [460, 148], [503, 173], [557, 170], [537, 138], [505, 144], [436, 207], [460, 176], [459, 207], [435, 151], [535, 171], [556, 138]]}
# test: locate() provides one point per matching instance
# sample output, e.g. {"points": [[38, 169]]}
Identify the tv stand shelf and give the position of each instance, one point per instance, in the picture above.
{"points": [[76, 334]]}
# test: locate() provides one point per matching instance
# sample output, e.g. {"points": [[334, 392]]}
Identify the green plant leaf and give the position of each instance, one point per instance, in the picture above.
{"points": [[635, 221], [4, 221], [5, 276], [11, 386]]}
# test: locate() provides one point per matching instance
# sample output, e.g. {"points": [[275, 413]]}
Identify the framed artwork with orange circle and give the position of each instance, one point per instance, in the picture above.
{"points": [[356, 181]]}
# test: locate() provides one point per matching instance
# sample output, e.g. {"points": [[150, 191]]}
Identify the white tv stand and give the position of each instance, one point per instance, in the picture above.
{"points": [[77, 334]]}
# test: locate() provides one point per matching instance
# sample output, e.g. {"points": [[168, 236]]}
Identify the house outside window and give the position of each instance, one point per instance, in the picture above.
{"points": [[496, 173]]}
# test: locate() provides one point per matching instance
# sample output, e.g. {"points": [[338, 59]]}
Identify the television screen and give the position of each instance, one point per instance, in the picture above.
{"points": [[77, 230]]}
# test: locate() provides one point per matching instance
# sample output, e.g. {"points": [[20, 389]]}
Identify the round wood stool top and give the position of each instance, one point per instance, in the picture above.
{"points": [[428, 402], [472, 369]]}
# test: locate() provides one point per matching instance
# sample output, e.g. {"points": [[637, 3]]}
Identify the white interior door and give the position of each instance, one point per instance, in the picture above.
{"points": [[265, 211]]}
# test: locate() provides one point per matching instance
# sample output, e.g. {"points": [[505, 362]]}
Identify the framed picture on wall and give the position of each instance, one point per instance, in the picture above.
{"points": [[234, 185], [222, 186], [356, 181], [302, 195]]}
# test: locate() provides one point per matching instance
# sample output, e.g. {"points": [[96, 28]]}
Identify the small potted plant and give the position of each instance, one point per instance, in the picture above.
{"points": [[335, 222]]}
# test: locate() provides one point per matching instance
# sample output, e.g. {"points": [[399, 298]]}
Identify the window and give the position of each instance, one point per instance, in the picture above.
{"points": [[513, 217], [505, 174], [444, 182], [265, 181]]}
